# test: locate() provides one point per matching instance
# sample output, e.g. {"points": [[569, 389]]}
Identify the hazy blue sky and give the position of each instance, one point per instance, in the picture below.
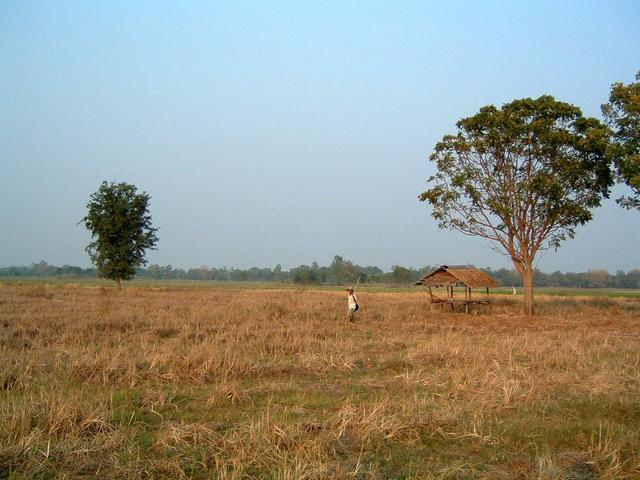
{"points": [[284, 132]]}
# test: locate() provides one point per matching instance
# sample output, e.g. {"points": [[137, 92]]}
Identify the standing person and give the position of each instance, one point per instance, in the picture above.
{"points": [[352, 304]]}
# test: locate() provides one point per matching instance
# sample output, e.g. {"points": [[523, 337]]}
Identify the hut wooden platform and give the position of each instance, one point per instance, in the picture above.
{"points": [[452, 276]]}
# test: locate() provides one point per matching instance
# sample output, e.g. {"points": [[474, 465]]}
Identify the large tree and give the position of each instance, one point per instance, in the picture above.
{"points": [[120, 224], [623, 114], [523, 176]]}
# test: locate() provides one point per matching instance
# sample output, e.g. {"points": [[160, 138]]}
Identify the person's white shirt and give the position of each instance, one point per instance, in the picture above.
{"points": [[352, 301]]}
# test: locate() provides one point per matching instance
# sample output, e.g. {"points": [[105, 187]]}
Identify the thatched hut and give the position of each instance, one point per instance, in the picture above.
{"points": [[451, 276]]}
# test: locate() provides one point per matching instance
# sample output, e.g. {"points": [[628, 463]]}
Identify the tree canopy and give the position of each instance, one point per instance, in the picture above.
{"points": [[523, 176], [120, 224], [623, 114]]}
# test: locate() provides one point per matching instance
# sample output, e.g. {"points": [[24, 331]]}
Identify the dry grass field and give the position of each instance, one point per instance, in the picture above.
{"points": [[169, 382]]}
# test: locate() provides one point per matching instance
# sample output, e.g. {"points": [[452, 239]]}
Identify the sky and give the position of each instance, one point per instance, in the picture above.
{"points": [[285, 132]]}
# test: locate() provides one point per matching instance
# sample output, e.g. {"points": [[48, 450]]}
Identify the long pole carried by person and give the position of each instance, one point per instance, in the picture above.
{"points": [[357, 282]]}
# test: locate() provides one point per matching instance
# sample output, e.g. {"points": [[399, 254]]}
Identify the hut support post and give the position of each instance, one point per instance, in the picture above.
{"points": [[467, 294], [451, 297]]}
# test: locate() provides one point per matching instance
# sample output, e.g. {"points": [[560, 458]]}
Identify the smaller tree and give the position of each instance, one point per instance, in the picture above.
{"points": [[342, 270], [623, 114], [304, 275], [400, 274], [120, 225]]}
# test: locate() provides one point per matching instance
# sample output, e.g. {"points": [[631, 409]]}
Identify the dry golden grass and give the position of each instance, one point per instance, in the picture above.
{"points": [[162, 382]]}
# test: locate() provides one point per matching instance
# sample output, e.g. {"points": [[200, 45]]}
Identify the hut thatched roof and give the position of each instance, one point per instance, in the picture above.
{"points": [[457, 274]]}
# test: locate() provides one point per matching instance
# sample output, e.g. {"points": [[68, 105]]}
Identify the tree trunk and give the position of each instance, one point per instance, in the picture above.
{"points": [[527, 280], [118, 285]]}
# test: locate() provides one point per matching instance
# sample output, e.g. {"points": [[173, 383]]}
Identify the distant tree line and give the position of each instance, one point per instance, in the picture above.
{"points": [[339, 272]]}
